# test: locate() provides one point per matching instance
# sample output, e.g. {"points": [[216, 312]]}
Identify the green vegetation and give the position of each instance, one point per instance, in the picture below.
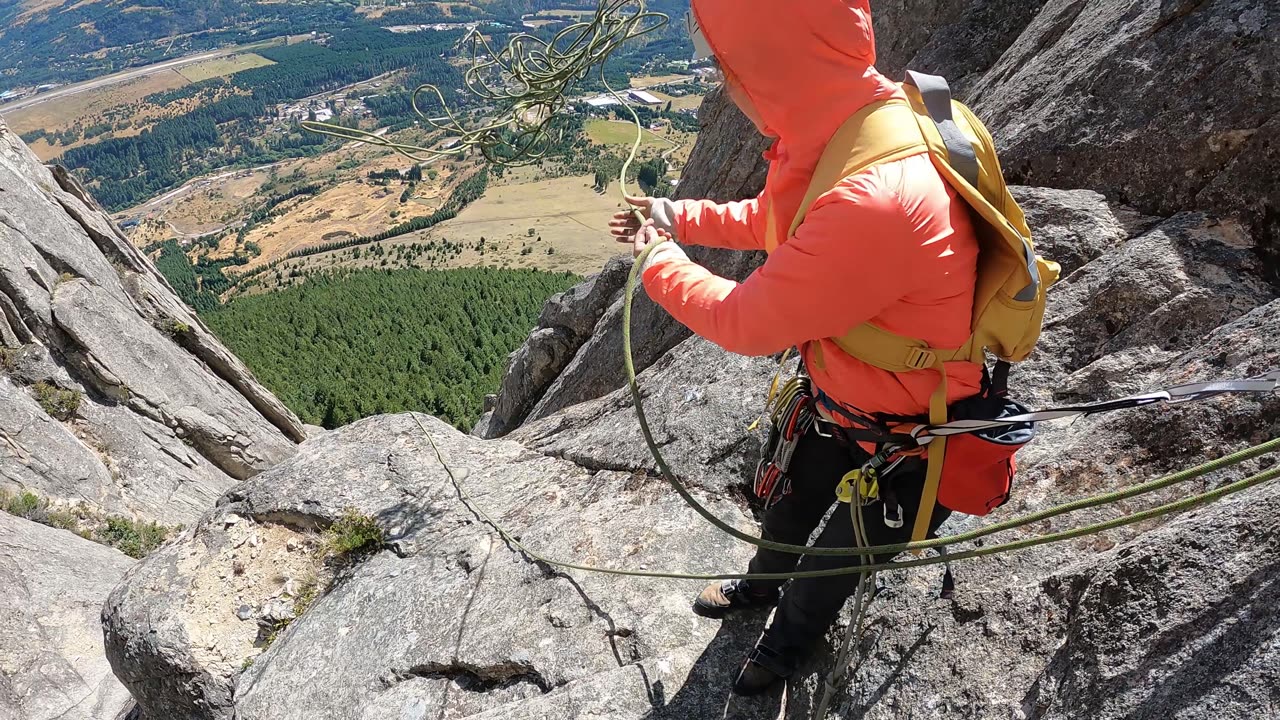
{"points": [[198, 285], [60, 404], [346, 346], [23, 505], [353, 534], [134, 538], [8, 359], [176, 328]]}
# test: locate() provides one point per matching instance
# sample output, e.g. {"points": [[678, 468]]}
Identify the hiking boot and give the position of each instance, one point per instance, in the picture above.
{"points": [[723, 597], [761, 671]]}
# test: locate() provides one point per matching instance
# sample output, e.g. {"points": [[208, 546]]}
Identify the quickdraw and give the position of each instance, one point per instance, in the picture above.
{"points": [[792, 417]]}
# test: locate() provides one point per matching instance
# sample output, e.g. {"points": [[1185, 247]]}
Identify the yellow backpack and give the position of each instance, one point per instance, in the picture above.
{"points": [[1012, 279]]}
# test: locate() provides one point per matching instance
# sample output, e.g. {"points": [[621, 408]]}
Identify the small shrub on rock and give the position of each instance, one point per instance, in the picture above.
{"points": [[60, 404], [354, 534]]}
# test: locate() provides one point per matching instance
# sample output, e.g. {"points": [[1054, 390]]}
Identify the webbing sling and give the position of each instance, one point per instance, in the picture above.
{"points": [[1178, 394]]}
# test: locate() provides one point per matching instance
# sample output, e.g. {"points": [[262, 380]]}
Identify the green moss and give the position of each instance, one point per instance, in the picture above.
{"points": [[60, 404], [8, 359], [175, 328]]}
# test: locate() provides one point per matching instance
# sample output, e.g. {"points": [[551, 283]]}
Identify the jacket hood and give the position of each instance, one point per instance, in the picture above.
{"points": [[807, 66]]}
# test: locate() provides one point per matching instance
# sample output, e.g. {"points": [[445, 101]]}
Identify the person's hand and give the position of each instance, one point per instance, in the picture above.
{"points": [[647, 235], [643, 237], [660, 211]]}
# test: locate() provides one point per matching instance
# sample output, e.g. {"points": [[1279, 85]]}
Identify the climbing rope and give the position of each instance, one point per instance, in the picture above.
{"points": [[1182, 505], [862, 599], [524, 86]]}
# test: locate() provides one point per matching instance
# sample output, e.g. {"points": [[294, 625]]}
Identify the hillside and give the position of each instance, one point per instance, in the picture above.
{"points": [[355, 575]]}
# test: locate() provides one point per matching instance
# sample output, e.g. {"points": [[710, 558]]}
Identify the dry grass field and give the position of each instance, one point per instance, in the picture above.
{"points": [[684, 102], [617, 132], [219, 67], [651, 80], [64, 111], [568, 218]]}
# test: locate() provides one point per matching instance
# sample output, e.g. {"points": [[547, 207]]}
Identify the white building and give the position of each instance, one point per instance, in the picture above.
{"points": [[641, 96]]}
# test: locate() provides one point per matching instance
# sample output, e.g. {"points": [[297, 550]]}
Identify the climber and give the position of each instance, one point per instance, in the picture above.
{"points": [[892, 244]]}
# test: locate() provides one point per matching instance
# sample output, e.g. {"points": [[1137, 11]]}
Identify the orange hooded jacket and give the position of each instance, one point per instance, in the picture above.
{"points": [[893, 245]]}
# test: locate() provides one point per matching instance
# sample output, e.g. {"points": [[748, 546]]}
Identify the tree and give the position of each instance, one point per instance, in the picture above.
{"points": [[351, 343]]}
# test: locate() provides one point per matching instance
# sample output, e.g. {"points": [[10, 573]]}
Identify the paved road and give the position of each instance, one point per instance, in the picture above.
{"points": [[98, 83]]}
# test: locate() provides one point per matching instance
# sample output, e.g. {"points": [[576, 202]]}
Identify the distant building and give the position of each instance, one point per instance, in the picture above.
{"points": [[603, 101], [641, 96], [8, 94], [324, 115]]}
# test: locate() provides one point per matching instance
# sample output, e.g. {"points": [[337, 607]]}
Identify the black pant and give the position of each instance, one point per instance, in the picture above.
{"points": [[809, 605]]}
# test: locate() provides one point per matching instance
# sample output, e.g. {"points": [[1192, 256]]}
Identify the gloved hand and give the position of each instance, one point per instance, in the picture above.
{"points": [[661, 211]]}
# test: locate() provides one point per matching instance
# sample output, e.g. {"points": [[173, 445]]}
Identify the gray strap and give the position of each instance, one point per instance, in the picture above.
{"points": [[1193, 392], [937, 100]]}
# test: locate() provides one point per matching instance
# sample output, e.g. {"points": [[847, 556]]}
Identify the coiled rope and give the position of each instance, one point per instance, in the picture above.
{"points": [[524, 86]]}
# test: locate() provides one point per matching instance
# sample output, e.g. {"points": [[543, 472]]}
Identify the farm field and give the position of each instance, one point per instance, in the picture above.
{"points": [[565, 214], [617, 132], [568, 217], [645, 81], [223, 66], [684, 102]]}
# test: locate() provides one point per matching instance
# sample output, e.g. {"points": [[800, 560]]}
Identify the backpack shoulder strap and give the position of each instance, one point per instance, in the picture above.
{"points": [[881, 132], [936, 94]]}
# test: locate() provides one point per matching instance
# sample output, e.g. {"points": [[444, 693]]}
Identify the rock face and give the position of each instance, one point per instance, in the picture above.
{"points": [[450, 621], [1097, 94], [1165, 619], [162, 419], [52, 585], [567, 321]]}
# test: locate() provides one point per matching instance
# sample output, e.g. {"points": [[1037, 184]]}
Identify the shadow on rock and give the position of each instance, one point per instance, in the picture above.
{"points": [[707, 692]]}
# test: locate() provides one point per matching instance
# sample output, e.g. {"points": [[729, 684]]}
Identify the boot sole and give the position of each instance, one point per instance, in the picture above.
{"points": [[715, 613]]}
